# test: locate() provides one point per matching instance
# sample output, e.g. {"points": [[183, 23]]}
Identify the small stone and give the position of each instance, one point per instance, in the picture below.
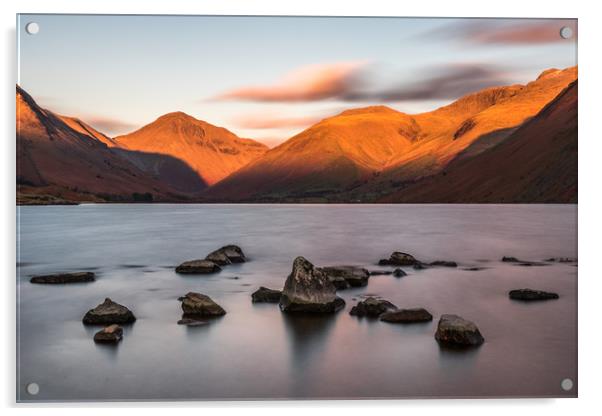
{"points": [[192, 322], [399, 273], [112, 334], [197, 304], [108, 313], [198, 267], [531, 295], [265, 295], [455, 331], [372, 307], [64, 278], [407, 316]]}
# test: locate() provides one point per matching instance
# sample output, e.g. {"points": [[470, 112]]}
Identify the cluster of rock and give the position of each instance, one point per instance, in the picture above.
{"points": [[211, 264], [110, 314], [307, 289]]}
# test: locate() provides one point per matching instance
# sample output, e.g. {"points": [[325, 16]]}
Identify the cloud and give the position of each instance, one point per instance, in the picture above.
{"points": [[517, 32], [259, 122], [448, 82], [355, 82], [308, 83], [109, 125]]}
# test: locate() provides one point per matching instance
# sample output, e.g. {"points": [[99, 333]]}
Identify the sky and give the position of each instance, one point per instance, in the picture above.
{"points": [[269, 78]]}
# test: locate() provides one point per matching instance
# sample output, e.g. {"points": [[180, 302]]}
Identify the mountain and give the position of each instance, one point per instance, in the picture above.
{"points": [[536, 163], [212, 152], [62, 157], [365, 154]]}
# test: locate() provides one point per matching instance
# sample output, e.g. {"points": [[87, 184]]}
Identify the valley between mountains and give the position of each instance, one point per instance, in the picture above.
{"points": [[506, 144]]}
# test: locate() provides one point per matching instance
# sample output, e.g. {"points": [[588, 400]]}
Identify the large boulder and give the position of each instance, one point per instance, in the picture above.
{"points": [[227, 255], [198, 267], [346, 276], [64, 278], [198, 305], [372, 307], [454, 331], [111, 334], [265, 295], [407, 316], [108, 313], [307, 289], [530, 295], [398, 258]]}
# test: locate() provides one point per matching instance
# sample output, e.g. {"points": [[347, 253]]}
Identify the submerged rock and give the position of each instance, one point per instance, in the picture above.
{"points": [[454, 331], [418, 265], [530, 295], [263, 294], [562, 260], [108, 313], [522, 262], [64, 278], [307, 289], [398, 258], [198, 267], [380, 272], [407, 316], [192, 322], [508, 259], [112, 334], [351, 275], [227, 255], [399, 273], [196, 305], [443, 263], [372, 307]]}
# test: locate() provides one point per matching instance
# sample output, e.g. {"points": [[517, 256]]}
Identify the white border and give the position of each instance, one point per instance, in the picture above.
{"points": [[590, 206]]}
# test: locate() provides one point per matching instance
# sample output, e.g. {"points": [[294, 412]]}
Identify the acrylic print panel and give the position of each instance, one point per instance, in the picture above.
{"points": [[220, 207]]}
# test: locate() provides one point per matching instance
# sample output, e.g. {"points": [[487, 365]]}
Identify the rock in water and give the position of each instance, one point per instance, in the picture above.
{"points": [[307, 289], [197, 304], [108, 313], [263, 294], [508, 259], [399, 273], [418, 265], [351, 275], [198, 267], [407, 316], [372, 307], [192, 322], [227, 255], [380, 272], [454, 331], [398, 258], [443, 263], [112, 334], [530, 295], [64, 278]]}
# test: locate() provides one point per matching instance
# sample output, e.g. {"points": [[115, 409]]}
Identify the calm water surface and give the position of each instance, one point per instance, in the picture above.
{"points": [[255, 351]]}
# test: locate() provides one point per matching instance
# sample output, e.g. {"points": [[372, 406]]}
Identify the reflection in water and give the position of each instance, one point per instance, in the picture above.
{"points": [[308, 337]]}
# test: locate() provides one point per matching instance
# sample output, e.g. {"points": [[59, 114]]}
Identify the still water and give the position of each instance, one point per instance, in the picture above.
{"points": [[257, 352]]}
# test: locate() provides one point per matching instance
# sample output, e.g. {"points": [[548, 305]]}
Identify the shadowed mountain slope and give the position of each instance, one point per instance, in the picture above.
{"points": [[537, 163], [65, 156]]}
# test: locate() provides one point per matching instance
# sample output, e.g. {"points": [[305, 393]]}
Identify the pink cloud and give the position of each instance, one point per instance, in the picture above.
{"points": [[518, 32], [308, 83]]}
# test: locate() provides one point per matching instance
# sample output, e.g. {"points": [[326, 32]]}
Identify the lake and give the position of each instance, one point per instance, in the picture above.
{"points": [[257, 352]]}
